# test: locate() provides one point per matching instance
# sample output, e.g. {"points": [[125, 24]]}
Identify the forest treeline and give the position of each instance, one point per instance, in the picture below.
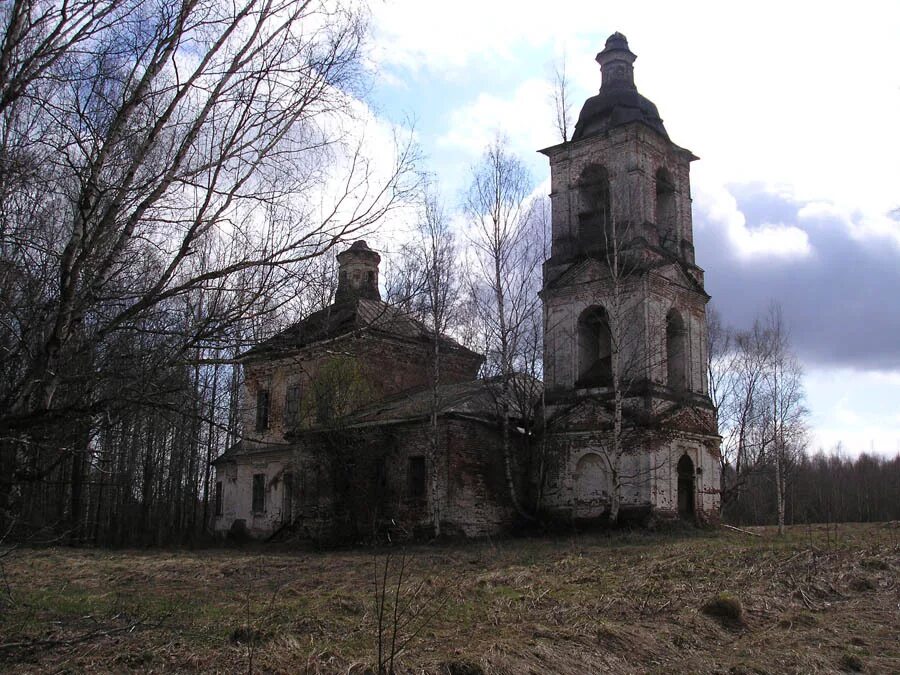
{"points": [[824, 488]]}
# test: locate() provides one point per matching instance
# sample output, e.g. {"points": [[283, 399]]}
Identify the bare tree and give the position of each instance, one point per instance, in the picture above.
{"points": [[425, 283], [437, 246], [505, 264], [757, 384], [168, 173], [738, 366], [787, 416], [562, 103]]}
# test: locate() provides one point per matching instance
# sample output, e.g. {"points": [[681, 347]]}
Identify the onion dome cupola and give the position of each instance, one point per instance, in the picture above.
{"points": [[618, 102]]}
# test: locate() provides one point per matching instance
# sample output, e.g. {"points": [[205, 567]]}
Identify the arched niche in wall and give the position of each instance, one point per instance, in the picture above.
{"points": [[594, 207], [591, 478], [594, 348], [676, 351]]}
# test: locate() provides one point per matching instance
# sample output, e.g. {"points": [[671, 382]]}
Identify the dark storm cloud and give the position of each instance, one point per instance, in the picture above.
{"points": [[841, 302]]}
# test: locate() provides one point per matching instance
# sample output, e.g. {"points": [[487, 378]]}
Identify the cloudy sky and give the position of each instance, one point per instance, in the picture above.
{"points": [[794, 110]]}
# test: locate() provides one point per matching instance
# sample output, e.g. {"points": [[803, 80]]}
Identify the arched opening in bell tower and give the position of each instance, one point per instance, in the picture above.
{"points": [[665, 208], [594, 212], [594, 349], [676, 351]]}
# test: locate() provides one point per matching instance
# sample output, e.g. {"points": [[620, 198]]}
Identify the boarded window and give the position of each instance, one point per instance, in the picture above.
{"points": [[259, 493], [415, 478], [262, 410], [292, 405], [218, 501]]}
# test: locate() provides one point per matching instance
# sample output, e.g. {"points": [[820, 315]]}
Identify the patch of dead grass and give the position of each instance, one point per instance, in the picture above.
{"points": [[592, 603]]}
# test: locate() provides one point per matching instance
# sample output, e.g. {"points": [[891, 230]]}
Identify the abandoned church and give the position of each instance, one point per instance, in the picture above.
{"points": [[346, 431]]}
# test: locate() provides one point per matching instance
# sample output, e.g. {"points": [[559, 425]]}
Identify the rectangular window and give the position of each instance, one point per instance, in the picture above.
{"points": [[292, 405], [262, 410], [287, 506], [380, 476], [219, 498], [415, 478], [259, 493], [310, 487]]}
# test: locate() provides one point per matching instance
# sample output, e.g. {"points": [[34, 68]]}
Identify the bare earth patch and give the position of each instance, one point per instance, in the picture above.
{"points": [[722, 602]]}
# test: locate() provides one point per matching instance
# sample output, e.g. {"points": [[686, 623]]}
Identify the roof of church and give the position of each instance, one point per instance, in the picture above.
{"points": [[618, 102], [345, 318], [475, 399]]}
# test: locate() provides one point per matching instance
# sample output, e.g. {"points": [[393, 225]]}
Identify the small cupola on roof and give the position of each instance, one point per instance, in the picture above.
{"points": [[618, 102], [358, 273]]}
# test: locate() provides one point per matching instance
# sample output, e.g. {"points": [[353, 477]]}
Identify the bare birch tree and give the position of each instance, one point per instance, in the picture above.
{"points": [[757, 384], [505, 263], [426, 282], [787, 412], [438, 250], [738, 365]]}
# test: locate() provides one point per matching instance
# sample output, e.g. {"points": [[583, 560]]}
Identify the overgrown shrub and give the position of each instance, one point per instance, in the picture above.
{"points": [[727, 608]]}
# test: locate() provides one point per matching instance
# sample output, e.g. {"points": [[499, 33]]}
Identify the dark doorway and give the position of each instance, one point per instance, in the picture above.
{"points": [[685, 487]]}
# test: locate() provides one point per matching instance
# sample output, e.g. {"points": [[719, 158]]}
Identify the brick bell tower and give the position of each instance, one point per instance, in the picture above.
{"points": [[625, 316]]}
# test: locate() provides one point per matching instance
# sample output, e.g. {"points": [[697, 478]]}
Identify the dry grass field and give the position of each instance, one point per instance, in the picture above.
{"points": [[817, 600]]}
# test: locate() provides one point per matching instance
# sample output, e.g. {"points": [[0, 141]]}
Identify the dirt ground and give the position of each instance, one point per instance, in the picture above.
{"points": [[819, 600]]}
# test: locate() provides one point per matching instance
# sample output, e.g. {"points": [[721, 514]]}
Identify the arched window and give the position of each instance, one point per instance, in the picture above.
{"points": [[594, 213], [665, 206], [594, 349], [686, 487], [676, 352]]}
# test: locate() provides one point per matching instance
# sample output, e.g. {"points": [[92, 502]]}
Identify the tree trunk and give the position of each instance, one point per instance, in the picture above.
{"points": [[779, 496], [433, 444]]}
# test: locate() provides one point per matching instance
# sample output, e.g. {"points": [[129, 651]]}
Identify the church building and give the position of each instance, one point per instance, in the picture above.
{"points": [[347, 435], [347, 429]]}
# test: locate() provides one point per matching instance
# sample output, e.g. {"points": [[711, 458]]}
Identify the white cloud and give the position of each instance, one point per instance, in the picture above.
{"points": [[525, 118], [860, 225], [448, 38], [770, 240]]}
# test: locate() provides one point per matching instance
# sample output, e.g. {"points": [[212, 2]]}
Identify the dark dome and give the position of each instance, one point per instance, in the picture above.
{"points": [[618, 102], [616, 41], [614, 107]]}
